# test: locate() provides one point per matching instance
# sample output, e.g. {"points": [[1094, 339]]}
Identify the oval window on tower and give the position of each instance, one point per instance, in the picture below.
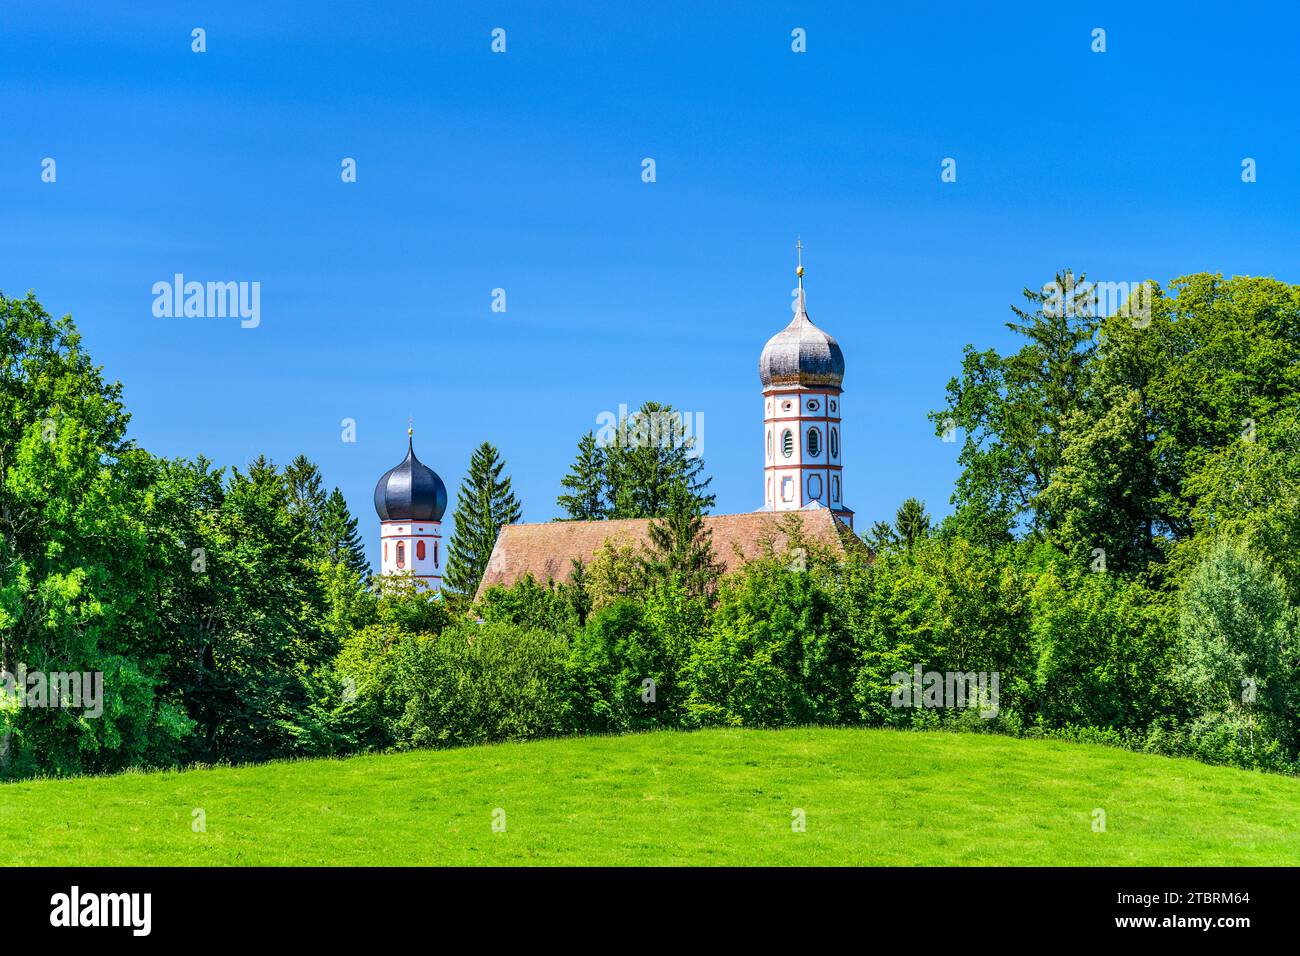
{"points": [[813, 406], [769, 444], [787, 405], [814, 442], [401, 554], [835, 443], [787, 443], [835, 489], [419, 550], [435, 554], [385, 550]]}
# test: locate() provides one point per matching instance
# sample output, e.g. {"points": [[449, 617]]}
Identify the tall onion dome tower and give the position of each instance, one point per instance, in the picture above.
{"points": [[410, 500], [801, 369]]}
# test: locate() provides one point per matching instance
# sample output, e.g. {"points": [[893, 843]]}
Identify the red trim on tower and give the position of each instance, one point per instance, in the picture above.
{"points": [[804, 467]]}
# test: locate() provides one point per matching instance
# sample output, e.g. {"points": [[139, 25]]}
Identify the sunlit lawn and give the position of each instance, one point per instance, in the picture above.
{"points": [[710, 797]]}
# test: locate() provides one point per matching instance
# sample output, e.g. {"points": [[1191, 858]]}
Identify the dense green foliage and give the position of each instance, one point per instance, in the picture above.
{"points": [[212, 602], [1121, 554], [1122, 565]]}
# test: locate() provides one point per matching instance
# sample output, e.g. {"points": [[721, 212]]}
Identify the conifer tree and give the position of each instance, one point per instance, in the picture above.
{"points": [[881, 537], [339, 536], [306, 494], [648, 456], [680, 547], [483, 504], [576, 591], [911, 522], [587, 484]]}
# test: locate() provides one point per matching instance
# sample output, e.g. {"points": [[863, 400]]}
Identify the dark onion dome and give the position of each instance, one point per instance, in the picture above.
{"points": [[410, 492], [801, 354]]}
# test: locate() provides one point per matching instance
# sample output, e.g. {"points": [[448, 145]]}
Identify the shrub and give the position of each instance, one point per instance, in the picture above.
{"points": [[624, 645], [527, 604], [476, 684], [1105, 646], [777, 653], [946, 605], [1235, 625]]}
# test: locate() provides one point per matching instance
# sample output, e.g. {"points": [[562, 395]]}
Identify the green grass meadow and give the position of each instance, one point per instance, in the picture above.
{"points": [[715, 797]]}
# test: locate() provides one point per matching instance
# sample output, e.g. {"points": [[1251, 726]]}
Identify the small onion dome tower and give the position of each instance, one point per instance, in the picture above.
{"points": [[410, 500], [802, 369]]}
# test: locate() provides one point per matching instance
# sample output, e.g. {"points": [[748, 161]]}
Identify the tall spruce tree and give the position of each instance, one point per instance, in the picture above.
{"points": [[680, 547], [339, 536], [306, 494], [483, 504], [911, 522], [587, 483], [648, 456]]}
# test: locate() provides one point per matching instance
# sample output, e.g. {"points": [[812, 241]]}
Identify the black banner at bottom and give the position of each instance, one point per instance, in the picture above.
{"points": [[369, 905]]}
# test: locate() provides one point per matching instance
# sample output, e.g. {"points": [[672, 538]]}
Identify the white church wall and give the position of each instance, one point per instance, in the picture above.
{"points": [[411, 557]]}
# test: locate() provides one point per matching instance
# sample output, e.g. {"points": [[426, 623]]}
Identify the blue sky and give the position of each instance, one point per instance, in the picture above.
{"points": [[523, 171]]}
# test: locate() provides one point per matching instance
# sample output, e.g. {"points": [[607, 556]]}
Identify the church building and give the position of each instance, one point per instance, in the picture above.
{"points": [[801, 371]]}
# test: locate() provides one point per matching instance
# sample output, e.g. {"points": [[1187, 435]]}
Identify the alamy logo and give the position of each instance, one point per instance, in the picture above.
{"points": [[211, 300], [656, 429], [103, 909], [1100, 299], [947, 689], [75, 690]]}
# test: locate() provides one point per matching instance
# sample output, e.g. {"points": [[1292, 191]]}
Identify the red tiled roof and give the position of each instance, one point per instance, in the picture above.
{"points": [[546, 551]]}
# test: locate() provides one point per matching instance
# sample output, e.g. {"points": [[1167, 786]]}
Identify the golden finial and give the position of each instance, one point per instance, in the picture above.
{"points": [[798, 246], [410, 426]]}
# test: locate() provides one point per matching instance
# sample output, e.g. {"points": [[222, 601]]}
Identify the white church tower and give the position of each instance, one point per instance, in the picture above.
{"points": [[411, 500], [801, 369]]}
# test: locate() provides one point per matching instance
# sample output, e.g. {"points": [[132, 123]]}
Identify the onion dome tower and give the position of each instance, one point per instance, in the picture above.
{"points": [[802, 369], [410, 500]]}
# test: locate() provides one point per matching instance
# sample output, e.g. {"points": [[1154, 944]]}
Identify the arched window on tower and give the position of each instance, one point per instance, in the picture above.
{"points": [[401, 554], [419, 550], [435, 554]]}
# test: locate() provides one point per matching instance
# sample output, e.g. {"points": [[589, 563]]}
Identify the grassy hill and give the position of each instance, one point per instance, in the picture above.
{"points": [[712, 797]]}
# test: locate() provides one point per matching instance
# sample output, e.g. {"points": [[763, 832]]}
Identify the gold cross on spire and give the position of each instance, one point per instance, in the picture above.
{"points": [[410, 426], [798, 248]]}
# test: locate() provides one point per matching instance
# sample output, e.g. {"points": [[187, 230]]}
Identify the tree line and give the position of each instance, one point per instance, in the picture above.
{"points": [[1122, 551]]}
